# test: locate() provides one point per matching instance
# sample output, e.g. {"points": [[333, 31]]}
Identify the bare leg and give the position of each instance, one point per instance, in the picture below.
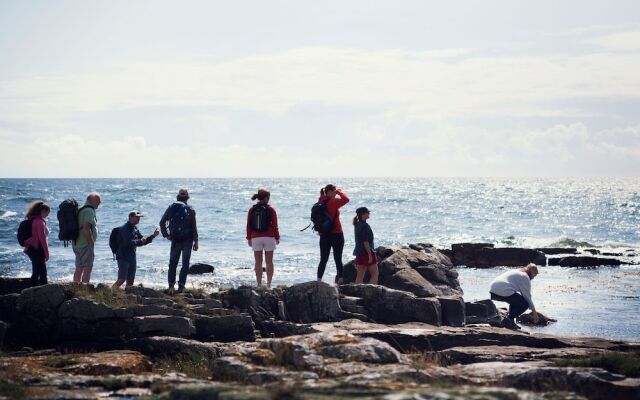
{"points": [[258, 256], [360, 274], [268, 255], [373, 270], [86, 274], [118, 283], [77, 274]]}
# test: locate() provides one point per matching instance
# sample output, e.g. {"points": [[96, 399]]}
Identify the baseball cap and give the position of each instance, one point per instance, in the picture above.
{"points": [[135, 214], [362, 210], [183, 192]]}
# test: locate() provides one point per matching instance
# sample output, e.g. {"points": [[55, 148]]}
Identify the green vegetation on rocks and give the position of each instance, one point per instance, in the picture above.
{"points": [[627, 364]]}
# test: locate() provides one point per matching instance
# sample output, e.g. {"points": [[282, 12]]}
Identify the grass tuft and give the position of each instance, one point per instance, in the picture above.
{"points": [[627, 364], [192, 364], [114, 298]]}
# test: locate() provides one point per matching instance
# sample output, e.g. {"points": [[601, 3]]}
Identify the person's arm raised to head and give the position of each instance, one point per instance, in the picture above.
{"points": [[344, 199]]}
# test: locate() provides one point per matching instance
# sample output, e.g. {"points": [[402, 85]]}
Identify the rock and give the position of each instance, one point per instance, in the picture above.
{"points": [[14, 285], [144, 292], [157, 301], [155, 309], [85, 310], [453, 310], [476, 313], [464, 253], [612, 254], [478, 354], [3, 331], [557, 250], [594, 252], [36, 311], [391, 306], [312, 302], [200, 268], [244, 298], [484, 255], [279, 329], [584, 261], [162, 325], [227, 328], [209, 303], [163, 346], [8, 307], [527, 319], [409, 280]]}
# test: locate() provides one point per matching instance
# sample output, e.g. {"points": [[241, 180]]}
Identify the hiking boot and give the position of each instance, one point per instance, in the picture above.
{"points": [[180, 289], [509, 324]]}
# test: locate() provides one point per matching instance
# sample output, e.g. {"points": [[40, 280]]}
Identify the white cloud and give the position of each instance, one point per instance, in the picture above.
{"points": [[621, 41]]}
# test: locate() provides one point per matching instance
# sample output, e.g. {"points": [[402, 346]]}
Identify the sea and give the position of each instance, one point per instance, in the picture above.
{"points": [[587, 213]]}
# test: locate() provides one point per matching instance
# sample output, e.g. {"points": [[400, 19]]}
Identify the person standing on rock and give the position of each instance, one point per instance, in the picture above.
{"points": [[178, 224], [84, 247], [365, 249], [262, 233], [129, 238], [334, 199], [514, 288], [36, 246]]}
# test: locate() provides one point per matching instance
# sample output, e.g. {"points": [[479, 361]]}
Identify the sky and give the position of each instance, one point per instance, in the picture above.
{"points": [[321, 89]]}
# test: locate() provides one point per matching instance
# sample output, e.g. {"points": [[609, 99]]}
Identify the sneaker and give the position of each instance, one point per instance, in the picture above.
{"points": [[509, 324]]}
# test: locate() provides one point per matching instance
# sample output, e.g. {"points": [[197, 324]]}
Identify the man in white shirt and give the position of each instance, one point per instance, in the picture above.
{"points": [[514, 287]]}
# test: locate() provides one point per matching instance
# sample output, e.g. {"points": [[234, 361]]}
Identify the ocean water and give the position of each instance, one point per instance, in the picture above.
{"points": [[603, 213]]}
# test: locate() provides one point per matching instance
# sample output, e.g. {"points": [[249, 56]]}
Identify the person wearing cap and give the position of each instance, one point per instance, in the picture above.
{"points": [[514, 287], [364, 251], [178, 224], [130, 238]]}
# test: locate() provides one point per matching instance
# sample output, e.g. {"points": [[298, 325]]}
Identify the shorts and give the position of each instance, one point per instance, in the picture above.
{"points": [[265, 243], [364, 259], [84, 256], [126, 270]]}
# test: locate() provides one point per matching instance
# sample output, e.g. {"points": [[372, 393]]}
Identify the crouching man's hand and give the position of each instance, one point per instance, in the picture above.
{"points": [[536, 317]]}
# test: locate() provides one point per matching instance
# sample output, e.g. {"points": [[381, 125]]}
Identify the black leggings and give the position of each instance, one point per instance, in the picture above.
{"points": [[333, 241], [38, 266]]}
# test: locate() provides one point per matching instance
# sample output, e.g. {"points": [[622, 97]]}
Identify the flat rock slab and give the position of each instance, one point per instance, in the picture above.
{"points": [[164, 325], [478, 354], [165, 346]]}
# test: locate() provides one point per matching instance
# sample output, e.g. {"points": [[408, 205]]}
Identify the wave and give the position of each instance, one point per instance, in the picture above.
{"points": [[8, 214], [568, 242]]}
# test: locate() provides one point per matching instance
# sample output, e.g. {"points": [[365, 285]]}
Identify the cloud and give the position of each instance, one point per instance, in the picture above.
{"points": [[621, 41]]}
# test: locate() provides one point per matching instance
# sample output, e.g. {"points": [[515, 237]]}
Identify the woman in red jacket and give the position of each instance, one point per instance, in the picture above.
{"points": [[335, 198], [262, 233], [36, 247]]}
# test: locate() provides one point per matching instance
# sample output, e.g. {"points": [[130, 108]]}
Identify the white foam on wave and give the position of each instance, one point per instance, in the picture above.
{"points": [[8, 214]]}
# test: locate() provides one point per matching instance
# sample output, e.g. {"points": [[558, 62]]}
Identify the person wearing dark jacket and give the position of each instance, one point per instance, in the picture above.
{"points": [[129, 239], [364, 251], [178, 224]]}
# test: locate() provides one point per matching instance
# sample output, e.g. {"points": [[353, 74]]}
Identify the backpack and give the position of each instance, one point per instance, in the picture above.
{"points": [[69, 228], [179, 228], [24, 231], [114, 241], [261, 218], [320, 218]]}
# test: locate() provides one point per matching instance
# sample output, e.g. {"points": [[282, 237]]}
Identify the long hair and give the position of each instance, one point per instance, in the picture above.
{"points": [[36, 208], [261, 195], [356, 219], [329, 188]]}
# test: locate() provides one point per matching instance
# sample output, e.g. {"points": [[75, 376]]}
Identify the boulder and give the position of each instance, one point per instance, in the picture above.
{"points": [[410, 280], [279, 329], [200, 268], [36, 314], [85, 310], [391, 306], [3, 331], [141, 291], [480, 354], [453, 310], [584, 261], [8, 307], [226, 328], [156, 309], [527, 319], [164, 346], [464, 253], [557, 250], [163, 325], [312, 302], [14, 285], [484, 255]]}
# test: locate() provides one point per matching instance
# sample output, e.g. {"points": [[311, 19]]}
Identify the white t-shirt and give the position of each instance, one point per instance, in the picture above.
{"points": [[511, 282]]}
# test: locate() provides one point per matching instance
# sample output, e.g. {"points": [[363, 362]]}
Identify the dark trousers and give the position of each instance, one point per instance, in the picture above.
{"points": [[517, 304], [333, 241], [183, 247], [38, 266]]}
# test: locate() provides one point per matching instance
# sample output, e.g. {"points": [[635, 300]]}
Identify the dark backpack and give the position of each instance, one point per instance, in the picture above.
{"points": [[179, 227], [320, 218], [24, 231], [114, 241], [69, 228], [261, 218]]}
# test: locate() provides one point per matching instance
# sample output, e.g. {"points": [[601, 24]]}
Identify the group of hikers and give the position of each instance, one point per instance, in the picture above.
{"points": [[178, 225]]}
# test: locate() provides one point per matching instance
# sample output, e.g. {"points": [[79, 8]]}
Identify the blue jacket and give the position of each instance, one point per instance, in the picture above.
{"points": [[129, 239], [363, 234]]}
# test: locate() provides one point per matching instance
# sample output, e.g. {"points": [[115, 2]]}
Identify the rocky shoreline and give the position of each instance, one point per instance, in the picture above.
{"points": [[411, 337]]}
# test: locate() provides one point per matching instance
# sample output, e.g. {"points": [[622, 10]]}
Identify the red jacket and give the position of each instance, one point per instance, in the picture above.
{"points": [[273, 229], [333, 207], [38, 237]]}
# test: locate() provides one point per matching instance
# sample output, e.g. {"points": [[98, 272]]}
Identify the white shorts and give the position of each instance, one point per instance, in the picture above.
{"points": [[263, 243]]}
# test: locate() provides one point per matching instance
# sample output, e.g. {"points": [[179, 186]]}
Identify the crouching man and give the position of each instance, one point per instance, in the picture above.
{"points": [[514, 287], [129, 238]]}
